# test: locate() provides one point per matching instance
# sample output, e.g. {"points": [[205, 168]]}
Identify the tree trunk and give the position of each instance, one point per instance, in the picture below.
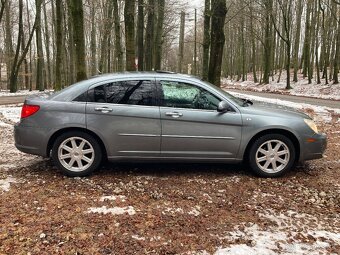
{"points": [[93, 41], [14, 68], [8, 41], [306, 46], [106, 35], [316, 50], [243, 50], [149, 36], [2, 9], [40, 54], [30, 47], [299, 11], [140, 35], [23, 43], [253, 45], [59, 46], [336, 60], [181, 43], [219, 12], [78, 37], [129, 17], [206, 40], [267, 41], [159, 35], [70, 57], [118, 41], [47, 49]]}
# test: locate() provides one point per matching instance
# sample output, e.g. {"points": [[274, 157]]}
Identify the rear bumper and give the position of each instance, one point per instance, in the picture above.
{"points": [[31, 140], [314, 149]]}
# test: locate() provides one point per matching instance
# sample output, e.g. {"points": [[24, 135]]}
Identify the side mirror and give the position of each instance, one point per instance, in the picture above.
{"points": [[223, 106]]}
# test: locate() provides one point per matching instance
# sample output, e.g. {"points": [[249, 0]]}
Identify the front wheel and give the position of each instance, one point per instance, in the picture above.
{"points": [[272, 155], [76, 153]]}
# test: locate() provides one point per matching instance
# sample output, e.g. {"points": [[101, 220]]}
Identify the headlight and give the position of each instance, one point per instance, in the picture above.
{"points": [[311, 124]]}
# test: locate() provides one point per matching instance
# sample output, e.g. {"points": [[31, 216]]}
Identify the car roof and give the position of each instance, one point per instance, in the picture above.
{"points": [[141, 74], [70, 92]]}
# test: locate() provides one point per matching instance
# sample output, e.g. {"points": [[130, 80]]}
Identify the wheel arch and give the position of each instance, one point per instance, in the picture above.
{"points": [[284, 132], [56, 134]]}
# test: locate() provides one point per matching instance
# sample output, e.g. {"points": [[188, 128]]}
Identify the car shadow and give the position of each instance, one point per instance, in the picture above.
{"points": [[173, 169], [46, 167]]}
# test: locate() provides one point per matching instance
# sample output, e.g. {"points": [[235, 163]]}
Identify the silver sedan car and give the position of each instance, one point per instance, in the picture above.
{"points": [[163, 117]]}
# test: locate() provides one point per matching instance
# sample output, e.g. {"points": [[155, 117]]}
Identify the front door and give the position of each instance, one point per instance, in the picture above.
{"points": [[126, 116], [191, 125]]}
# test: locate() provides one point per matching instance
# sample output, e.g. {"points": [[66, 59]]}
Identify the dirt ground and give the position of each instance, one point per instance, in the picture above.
{"points": [[168, 208]]}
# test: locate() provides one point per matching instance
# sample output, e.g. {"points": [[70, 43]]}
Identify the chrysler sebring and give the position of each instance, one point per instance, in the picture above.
{"points": [[163, 117]]}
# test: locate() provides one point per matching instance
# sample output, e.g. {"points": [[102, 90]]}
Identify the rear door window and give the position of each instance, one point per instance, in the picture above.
{"points": [[136, 92]]}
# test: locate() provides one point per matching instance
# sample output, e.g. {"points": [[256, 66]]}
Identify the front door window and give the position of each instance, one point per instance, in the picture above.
{"points": [[184, 95]]}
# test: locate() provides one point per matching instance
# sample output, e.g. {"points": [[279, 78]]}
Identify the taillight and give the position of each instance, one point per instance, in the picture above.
{"points": [[28, 110]]}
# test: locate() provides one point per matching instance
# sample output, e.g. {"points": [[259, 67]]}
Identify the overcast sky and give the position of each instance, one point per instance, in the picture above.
{"points": [[192, 4]]}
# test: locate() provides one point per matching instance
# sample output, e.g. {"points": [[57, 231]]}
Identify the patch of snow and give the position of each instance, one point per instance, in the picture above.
{"points": [[323, 114], [6, 183], [113, 210], [155, 238], [195, 211], [113, 198], [137, 237], [7, 167], [299, 88], [173, 210], [11, 113], [292, 233], [3, 124], [269, 241], [6, 93]]}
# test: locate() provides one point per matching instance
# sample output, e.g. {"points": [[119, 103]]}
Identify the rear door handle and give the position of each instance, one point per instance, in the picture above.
{"points": [[174, 114], [103, 109]]}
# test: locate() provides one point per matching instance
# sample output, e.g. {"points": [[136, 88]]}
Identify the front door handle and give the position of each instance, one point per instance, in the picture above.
{"points": [[103, 109], [174, 114]]}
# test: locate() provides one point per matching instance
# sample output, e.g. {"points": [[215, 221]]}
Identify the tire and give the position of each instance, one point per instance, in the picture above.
{"points": [[272, 155], [76, 153]]}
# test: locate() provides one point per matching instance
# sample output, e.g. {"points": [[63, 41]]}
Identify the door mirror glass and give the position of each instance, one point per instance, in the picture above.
{"points": [[223, 106]]}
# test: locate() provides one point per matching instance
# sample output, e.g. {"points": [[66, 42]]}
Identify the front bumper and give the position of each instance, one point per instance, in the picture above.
{"points": [[313, 147], [30, 140]]}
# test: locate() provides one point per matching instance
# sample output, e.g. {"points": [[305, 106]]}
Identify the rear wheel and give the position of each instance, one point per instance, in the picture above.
{"points": [[272, 155], [76, 153]]}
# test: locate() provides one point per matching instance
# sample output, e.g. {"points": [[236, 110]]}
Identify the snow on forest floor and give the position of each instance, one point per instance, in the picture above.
{"points": [[320, 113], [23, 92], [299, 88], [169, 208]]}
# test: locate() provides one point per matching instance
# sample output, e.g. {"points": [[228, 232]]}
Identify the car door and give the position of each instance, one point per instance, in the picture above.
{"points": [[126, 116], [191, 125]]}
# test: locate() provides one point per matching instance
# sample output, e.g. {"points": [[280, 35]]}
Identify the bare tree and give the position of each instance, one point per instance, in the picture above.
{"points": [[77, 13], [285, 8], [40, 54], [118, 42], [140, 35], [59, 46], [206, 40], [219, 11], [159, 34], [129, 20]]}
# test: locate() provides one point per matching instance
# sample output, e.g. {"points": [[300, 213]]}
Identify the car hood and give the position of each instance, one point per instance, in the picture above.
{"points": [[273, 110]]}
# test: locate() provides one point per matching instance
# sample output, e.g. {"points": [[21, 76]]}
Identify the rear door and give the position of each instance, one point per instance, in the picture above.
{"points": [[191, 125], [126, 116]]}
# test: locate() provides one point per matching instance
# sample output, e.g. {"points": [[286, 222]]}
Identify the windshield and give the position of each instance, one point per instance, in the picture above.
{"points": [[237, 100]]}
